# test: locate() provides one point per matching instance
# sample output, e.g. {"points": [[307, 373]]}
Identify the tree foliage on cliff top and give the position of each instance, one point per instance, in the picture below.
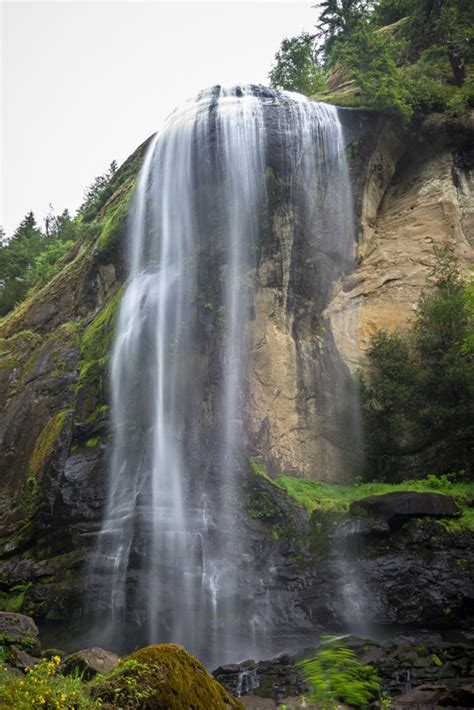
{"points": [[34, 254], [408, 57]]}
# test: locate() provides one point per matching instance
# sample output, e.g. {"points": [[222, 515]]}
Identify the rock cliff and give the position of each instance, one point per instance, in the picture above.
{"points": [[412, 190]]}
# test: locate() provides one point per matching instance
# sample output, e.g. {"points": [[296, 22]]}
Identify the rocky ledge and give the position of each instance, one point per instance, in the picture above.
{"points": [[421, 672]]}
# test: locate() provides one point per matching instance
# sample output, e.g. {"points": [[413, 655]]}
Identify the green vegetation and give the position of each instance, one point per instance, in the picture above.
{"points": [[162, 676], [418, 390], [336, 498], [13, 599], [45, 443], [116, 219], [97, 193], [95, 349], [296, 67], [43, 688], [32, 256], [96, 342], [409, 57], [335, 675], [264, 502]]}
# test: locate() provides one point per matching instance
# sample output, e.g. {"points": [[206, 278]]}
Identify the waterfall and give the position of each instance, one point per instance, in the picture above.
{"points": [[171, 562]]}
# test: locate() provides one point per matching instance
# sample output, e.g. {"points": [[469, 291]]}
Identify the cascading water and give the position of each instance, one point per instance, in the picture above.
{"points": [[171, 558]]}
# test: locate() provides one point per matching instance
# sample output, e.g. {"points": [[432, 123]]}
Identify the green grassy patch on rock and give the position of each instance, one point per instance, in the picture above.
{"points": [[336, 498]]}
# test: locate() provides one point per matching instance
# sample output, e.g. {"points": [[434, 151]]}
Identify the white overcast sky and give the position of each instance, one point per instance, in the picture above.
{"points": [[84, 83]]}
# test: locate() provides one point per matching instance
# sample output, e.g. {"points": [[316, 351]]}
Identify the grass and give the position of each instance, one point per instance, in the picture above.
{"points": [[333, 497]]}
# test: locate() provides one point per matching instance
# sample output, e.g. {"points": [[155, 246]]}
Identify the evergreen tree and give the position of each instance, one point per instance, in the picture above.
{"points": [[16, 262], [418, 391]]}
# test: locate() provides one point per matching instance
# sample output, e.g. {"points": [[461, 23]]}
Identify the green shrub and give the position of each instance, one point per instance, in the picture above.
{"points": [[296, 67], [336, 674], [369, 58], [417, 390]]}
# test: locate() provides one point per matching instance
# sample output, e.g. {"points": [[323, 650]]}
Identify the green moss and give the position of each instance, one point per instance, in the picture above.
{"points": [[263, 500], [277, 188], [26, 643], [92, 443], [465, 521], [352, 150], [14, 599], [96, 342], [45, 443], [437, 660], [322, 524], [95, 348], [258, 467], [115, 220], [271, 506], [162, 677]]}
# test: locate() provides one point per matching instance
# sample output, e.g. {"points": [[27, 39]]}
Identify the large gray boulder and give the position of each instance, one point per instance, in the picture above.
{"points": [[396, 508], [89, 662]]}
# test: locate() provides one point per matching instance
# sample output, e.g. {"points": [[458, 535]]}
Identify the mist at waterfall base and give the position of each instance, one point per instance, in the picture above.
{"points": [[171, 562]]}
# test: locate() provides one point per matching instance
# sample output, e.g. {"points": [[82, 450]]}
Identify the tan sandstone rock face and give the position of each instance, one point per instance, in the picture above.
{"points": [[413, 199], [422, 208], [284, 419]]}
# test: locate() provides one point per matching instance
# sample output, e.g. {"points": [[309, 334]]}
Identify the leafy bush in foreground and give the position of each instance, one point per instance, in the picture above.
{"points": [[43, 688], [336, 674]]}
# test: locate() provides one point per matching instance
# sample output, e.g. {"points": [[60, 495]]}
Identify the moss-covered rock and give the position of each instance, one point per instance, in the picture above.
{"points": [[20, 631], [115, 224], [163, 677], [45, 442], [272, 506]]}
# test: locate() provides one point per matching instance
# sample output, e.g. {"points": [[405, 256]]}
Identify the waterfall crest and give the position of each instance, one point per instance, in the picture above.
{"points": [[171, 553]]}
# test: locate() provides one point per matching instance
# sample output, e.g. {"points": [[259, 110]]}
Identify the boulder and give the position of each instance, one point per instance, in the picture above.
{"points": [[20, 631], [21, 659], [430, 696], [163, 677], [89, 662], [400, 506]]}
